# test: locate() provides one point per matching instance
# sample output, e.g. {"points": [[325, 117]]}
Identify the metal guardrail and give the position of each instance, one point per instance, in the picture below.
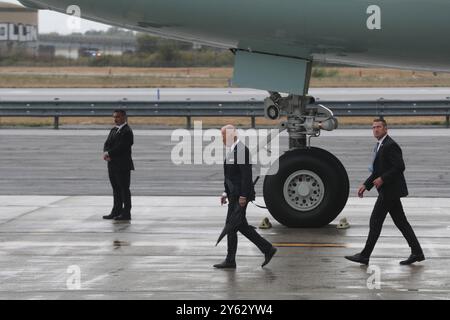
{"points": [[189, 109]]}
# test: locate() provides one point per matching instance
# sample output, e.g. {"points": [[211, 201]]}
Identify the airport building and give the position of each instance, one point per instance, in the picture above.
{"points": [[18, 29], [77, 45], [19, 33]]}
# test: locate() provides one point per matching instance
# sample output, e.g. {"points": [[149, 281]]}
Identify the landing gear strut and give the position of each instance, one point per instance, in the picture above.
{"points": [[311, 185]]}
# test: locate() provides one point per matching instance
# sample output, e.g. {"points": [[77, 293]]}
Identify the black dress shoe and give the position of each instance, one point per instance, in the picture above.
{"points": [[110, 216], [413, 258], [123, 217], [358, 258], [269, 256], [225, 265]]}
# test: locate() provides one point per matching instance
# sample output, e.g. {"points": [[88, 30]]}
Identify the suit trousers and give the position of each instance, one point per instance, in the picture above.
{"points": [[247, 230], [120, 182], [395, 209]]}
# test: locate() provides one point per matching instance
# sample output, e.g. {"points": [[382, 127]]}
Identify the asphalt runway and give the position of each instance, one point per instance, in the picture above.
{"points": [[69, 162], [219, 94]]}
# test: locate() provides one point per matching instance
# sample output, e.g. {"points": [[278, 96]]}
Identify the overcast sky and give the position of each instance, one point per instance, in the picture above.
{"points": [[50, 21]]}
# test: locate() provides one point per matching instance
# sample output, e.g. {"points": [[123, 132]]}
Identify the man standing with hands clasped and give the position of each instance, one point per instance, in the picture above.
{"points": [[387, 176], [117, 153], [239, 191]]}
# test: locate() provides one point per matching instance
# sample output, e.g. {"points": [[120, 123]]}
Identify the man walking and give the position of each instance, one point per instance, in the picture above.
{"points": [[117, 153], [239, 190], [387, 176]]}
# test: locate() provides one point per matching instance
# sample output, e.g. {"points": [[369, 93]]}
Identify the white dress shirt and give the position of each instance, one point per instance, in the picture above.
{"points": [[120, 127], [380, 142]]}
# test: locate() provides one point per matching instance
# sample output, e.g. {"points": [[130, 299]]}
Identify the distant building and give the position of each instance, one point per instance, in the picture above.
{"points": [[18, 29], [79, 45], [19, 33]]}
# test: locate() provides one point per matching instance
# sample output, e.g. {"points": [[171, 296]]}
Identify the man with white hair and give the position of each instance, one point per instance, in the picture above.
{"points": [[239, 190]]}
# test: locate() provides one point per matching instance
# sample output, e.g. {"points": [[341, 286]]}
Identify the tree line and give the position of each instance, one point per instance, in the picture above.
{"points": [[150, 51]]}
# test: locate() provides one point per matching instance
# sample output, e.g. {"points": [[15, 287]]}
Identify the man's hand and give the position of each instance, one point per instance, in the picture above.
{"points": [[378, 182], [223, 199], [361, 191], [242, 201], [106, 156]]}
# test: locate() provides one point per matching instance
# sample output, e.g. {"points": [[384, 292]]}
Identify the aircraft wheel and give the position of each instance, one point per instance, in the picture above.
{"points": [[310, 189]]}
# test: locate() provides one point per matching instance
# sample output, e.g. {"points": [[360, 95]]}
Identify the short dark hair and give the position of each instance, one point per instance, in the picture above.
{"points": [[381, 120], [121, 111]]}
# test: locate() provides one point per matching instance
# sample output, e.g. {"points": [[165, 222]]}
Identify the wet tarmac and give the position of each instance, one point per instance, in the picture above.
{"points": [[54, 244], [58, 247]]}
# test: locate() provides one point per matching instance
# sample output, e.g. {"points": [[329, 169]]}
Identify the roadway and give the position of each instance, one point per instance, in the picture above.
{"points": [[219, 94]]}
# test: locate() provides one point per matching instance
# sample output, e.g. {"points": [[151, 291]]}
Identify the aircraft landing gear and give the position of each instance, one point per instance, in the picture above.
{"points": [[311, 186]]}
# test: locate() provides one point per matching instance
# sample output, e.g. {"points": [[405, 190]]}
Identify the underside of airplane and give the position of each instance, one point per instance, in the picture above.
{"points": [[275, 44]]}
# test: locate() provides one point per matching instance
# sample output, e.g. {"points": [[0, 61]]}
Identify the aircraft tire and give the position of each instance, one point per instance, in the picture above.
{"points": [[310, 188]]}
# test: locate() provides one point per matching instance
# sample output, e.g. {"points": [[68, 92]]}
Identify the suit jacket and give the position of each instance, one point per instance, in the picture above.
{"points": [[238, 173], [118, 145], [389, 165]]}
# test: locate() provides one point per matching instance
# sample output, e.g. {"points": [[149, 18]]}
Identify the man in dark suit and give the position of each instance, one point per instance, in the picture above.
{"points": [[239, 190], [387, 176], [117, 153]]}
